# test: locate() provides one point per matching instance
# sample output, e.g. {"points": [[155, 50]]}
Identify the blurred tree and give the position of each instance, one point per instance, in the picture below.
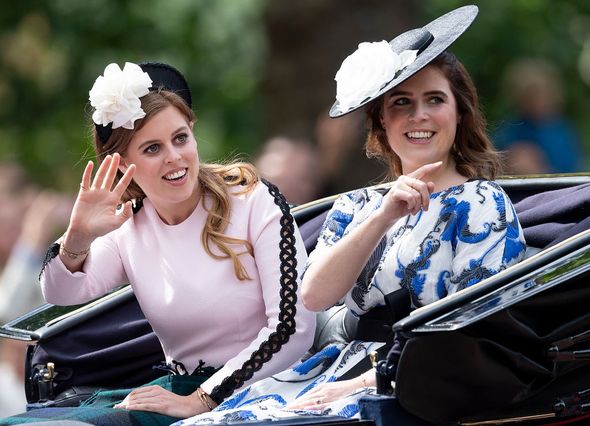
{"points": [[51, 52], [257, 67], [308, 40]]}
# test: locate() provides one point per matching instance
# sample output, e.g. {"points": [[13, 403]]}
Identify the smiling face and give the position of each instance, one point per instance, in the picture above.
{"points": [[420, 119], [164, 151]]}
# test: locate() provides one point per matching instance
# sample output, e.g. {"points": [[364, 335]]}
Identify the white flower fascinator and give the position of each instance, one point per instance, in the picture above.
{"points": [[115, 95]]}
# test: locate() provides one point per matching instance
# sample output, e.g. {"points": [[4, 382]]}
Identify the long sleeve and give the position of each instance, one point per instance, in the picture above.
{"points": [[348, 211], [102, 271], [194, 302], [280, 257]]}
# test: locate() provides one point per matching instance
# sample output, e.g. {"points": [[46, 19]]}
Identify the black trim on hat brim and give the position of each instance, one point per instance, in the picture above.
{"points": [[444, 30]]}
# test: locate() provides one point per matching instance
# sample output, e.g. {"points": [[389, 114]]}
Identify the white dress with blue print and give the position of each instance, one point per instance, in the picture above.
{"points": [[470, 232]]}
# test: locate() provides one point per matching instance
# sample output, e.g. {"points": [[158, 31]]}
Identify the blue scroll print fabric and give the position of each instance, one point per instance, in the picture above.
{"points": [[470, 232], [267, 399]]}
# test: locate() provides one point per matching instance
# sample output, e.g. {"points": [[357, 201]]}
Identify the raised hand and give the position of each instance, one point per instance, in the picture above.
{"points": [[409, 193], [95, 211]]}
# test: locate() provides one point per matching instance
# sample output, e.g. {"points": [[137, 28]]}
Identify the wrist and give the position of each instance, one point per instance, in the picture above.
{"points": [[205, 400], [74, 247], [196, 405], [75, 241], [367, 379], [382, 220], [74, 255]]}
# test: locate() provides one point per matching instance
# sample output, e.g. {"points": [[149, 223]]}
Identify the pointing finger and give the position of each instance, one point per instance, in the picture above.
{"points": [[425, 170]]}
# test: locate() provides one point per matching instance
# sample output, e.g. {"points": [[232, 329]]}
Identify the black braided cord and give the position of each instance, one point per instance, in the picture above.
{"points": [[286, 326]]}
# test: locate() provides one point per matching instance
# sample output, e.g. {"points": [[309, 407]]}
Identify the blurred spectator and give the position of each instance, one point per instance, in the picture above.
{"points": [[42, 221], [16, 193], [12, 396], [304, 172], [538, 138], [293, 166], [30, 219], [341, 145]]}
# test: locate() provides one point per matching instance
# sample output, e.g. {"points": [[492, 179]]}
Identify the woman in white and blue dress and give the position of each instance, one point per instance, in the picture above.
{"points": [[444, 224]]}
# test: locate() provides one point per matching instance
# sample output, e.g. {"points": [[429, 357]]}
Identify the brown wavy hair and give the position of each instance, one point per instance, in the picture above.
{"points": [[214, 179], [472, 150]]}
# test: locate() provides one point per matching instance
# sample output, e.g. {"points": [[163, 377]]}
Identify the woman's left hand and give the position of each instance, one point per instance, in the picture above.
{"points": [[159, 400], [322, 395]]}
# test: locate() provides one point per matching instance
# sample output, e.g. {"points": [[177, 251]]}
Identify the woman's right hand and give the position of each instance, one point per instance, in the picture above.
{"points": [[409, 194], [95, 211], [332, 275]]}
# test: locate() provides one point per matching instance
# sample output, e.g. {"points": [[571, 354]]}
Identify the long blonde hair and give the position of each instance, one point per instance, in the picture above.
{"points": [[214, 179]]}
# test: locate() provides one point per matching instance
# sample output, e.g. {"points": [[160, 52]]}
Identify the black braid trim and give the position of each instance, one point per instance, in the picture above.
{"points": [[288, 292], [52, 253]]}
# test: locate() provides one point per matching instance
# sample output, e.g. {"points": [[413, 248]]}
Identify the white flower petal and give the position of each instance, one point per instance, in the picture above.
{"points": [[366, 71], [407, 57], [116, 95]]}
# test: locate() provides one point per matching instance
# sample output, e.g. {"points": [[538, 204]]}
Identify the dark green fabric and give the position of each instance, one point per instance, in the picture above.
{"points": [[97, 409]]}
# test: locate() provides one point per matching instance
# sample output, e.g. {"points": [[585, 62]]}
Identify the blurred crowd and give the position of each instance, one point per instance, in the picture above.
{"points": [[30, 219], [333, 162], [537, 137]]}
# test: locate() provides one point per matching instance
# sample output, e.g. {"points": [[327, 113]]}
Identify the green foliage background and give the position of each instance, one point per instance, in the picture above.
{"points": [[51, 52]]}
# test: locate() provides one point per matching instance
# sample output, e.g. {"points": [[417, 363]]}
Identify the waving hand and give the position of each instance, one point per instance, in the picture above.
{"points": [[95, 211]]}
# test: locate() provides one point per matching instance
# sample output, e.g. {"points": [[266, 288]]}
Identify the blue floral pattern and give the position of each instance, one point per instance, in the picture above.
{"points": [[469, 233], [267, 399]]}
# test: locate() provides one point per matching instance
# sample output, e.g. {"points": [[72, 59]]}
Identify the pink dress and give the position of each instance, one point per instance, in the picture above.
{"points": [[197, 307]]}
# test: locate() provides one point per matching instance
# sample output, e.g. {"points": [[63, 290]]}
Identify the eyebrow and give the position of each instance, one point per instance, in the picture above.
{"points": [[429, 93], [151, 141]]}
